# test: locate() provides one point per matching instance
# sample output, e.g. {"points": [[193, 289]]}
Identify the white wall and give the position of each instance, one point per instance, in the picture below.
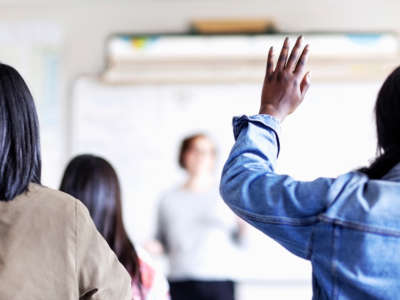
{"points": [[85, 24]]}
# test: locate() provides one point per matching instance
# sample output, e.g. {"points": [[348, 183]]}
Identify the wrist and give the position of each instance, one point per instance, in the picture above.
{"points": [[270, 110]]}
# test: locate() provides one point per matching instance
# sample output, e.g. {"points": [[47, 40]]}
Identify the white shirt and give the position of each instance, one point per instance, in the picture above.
{"points": [[198, 231]]}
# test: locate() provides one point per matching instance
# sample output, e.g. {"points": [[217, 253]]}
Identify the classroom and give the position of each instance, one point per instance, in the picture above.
{"points": [[199, 150]]}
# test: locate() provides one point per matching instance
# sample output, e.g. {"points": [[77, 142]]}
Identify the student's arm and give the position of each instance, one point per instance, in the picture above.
{"points": [[240, 234], [101, 276], [153, 280], [281, 207], [278, 205], [161, 234], [157, 245]]}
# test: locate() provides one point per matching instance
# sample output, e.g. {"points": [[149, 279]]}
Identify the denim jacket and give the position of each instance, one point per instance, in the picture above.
{"points": [[348, 227]]}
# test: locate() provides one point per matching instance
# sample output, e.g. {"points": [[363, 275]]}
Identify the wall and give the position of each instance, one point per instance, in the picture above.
{"points": [[87, 23]]}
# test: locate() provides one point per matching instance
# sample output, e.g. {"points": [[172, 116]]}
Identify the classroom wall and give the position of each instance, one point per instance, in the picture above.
{"points": [[86, 24]]}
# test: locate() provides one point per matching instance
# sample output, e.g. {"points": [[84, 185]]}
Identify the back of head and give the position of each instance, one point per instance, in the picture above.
{"points": [[20, 161], [387, 114], [93, 181]]}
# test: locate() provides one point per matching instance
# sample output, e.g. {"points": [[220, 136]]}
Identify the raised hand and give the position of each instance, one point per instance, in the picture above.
{"points": [[286, 85]]}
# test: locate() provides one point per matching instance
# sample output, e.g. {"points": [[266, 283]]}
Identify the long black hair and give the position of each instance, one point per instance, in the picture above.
{"points": [[387, 115], [94, 181], [20, 161]]}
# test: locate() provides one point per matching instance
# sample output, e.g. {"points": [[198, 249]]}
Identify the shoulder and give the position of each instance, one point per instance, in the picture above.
{"points": [[56, 203], [361, 199]]}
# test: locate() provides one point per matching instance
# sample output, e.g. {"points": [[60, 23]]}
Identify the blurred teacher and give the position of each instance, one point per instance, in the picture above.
{"points": [[198, 232]]}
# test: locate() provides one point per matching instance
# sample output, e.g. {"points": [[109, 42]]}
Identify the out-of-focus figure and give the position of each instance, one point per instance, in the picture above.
{"points": [[94, 181], [196, 230]]}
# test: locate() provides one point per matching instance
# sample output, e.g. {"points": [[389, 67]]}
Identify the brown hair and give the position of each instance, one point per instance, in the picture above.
{"points": [[185, 146]]}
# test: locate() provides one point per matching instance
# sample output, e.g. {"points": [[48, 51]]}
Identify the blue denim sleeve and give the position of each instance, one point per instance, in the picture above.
{"points": [[278, 205]]}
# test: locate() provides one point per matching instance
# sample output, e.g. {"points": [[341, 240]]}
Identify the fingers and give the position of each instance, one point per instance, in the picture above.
{"points": [[293, 62], [294, 55], [305, 84], [283, 56], [270, 63], [302, 61]]}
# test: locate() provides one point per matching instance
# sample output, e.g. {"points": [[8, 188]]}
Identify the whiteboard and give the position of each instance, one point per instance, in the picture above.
{"points": [[139, 128]]}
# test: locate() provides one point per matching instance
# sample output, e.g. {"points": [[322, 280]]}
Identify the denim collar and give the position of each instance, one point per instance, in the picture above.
{"points": [[393, 174]]}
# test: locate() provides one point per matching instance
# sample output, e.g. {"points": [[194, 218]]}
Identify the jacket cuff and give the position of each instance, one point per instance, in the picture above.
{"points": [[262, 121]]}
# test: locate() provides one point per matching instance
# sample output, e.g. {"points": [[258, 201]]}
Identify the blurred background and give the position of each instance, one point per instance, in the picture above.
{"points": [[128, 80]]}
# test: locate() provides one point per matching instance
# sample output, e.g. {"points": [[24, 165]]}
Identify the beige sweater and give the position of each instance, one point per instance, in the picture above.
{"points": [[51, 250]]}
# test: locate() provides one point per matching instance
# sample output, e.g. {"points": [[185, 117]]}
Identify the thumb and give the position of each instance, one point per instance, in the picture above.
{"points": [[305, 84]]}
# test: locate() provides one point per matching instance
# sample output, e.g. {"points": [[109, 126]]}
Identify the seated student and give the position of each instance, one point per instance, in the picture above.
{"points": [[94, 181], [49, 246], [348, 227]]}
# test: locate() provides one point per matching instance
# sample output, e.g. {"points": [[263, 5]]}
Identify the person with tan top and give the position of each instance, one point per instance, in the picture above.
{"points": [[49, 245]]}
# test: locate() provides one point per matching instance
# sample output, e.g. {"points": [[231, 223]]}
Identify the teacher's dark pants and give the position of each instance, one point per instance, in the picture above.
{"points": [[202, 290]]}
